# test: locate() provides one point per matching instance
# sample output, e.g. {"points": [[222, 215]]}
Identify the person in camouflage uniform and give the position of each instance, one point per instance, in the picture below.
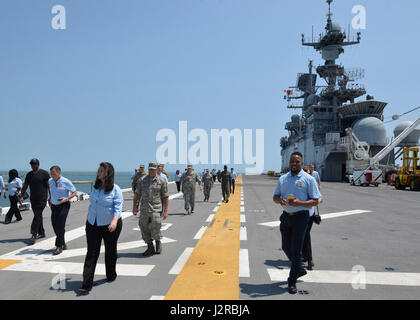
{"points": [[208, 184], [152, 191], [188, 181], [139, 175], [226, 181]]}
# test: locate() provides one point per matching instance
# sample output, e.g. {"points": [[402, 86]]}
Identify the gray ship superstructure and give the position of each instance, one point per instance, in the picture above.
{"points": [[319, 133]]}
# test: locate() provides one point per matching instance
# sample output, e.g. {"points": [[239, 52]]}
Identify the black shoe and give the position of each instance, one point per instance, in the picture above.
{"points": [[302, 273], [64, 247], [17, 220], [150, 250], [112, 279], [311, 264], [40, 236], [6, 222], [291, 287], [32, 240], [57, 251], [84, 289]]}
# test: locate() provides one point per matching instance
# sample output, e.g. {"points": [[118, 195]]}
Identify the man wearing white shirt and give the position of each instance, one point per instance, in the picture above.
{"points": [[61, 191]]}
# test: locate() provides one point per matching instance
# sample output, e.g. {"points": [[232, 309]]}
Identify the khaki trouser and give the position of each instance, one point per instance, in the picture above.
{"points": [[226, 191], [206, 190], [189, 198], [150, 224]]}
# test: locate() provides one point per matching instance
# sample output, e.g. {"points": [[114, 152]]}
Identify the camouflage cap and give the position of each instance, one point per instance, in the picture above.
{"points": [[189, 166], [141, 166], [153, 166]]}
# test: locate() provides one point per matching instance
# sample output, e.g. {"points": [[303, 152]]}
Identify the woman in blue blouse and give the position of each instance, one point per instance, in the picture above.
{"points": [[103, 222], [15, 185]]}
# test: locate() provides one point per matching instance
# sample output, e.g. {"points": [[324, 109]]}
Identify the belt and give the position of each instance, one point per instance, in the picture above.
{"points": [[291, 214]]}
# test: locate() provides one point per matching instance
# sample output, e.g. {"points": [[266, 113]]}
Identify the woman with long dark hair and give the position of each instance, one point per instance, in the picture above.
{"points": [[103, 222], [14, 186], [178, 176]]}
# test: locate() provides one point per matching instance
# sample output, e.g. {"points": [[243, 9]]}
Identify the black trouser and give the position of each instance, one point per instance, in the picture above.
{"points": [[94, 235], [214, 178], [307, 246], [14, 209], [58, 218], [37, 227], [178, 185], [233, 186], [293, 229]]}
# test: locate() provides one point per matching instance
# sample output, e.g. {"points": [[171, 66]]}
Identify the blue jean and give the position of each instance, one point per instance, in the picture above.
{"points": [[293, 230]]}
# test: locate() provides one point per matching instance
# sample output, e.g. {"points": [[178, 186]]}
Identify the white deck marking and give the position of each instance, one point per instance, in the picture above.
{"points": [[164, 227], [243, 219], [343, 214], [274, 224], [157, 297], [135, 270], [210, 218], [347, 277], [242, 209], [179, 264], [215, 209], [244, 263], [200, 233], [46, 255], [243, 235]]}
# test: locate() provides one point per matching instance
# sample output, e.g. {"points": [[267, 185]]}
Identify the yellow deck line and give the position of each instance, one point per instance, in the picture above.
{"points": [[212, 270], [8, 263]]}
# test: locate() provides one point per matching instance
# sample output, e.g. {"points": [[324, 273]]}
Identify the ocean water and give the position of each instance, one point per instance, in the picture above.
{"points": [[122, 179]]}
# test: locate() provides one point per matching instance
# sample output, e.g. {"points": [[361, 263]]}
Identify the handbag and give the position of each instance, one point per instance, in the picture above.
{"points": [[317, 217]]}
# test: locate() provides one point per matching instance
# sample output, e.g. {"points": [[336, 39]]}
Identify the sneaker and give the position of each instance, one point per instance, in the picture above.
{"points": [[311, 264], [192, 211], [186, 213], [40, 236], [65, 247]]}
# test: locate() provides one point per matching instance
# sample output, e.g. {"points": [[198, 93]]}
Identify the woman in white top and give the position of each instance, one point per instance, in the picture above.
{"points": [[15, 185], [178, 176]]}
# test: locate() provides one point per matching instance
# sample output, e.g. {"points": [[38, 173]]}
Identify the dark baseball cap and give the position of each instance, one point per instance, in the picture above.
{"points": [[34, 161]]}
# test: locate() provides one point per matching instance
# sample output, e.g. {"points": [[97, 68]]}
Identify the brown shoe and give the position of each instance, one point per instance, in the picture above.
{"points": [[158, 247]]}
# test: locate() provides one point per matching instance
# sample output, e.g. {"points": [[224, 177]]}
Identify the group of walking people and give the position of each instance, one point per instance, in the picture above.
{"points": [[104, 217], [44, 188], [298, 192]]}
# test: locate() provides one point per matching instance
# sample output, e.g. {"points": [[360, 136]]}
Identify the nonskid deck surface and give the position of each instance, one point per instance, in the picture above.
{"points": [[366, 248]]}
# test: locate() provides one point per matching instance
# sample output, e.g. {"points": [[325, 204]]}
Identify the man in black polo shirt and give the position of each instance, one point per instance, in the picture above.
{"points": [[37, 181]]}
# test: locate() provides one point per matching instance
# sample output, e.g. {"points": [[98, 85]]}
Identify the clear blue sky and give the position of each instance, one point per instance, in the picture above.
{"points": [[101, 89]]}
